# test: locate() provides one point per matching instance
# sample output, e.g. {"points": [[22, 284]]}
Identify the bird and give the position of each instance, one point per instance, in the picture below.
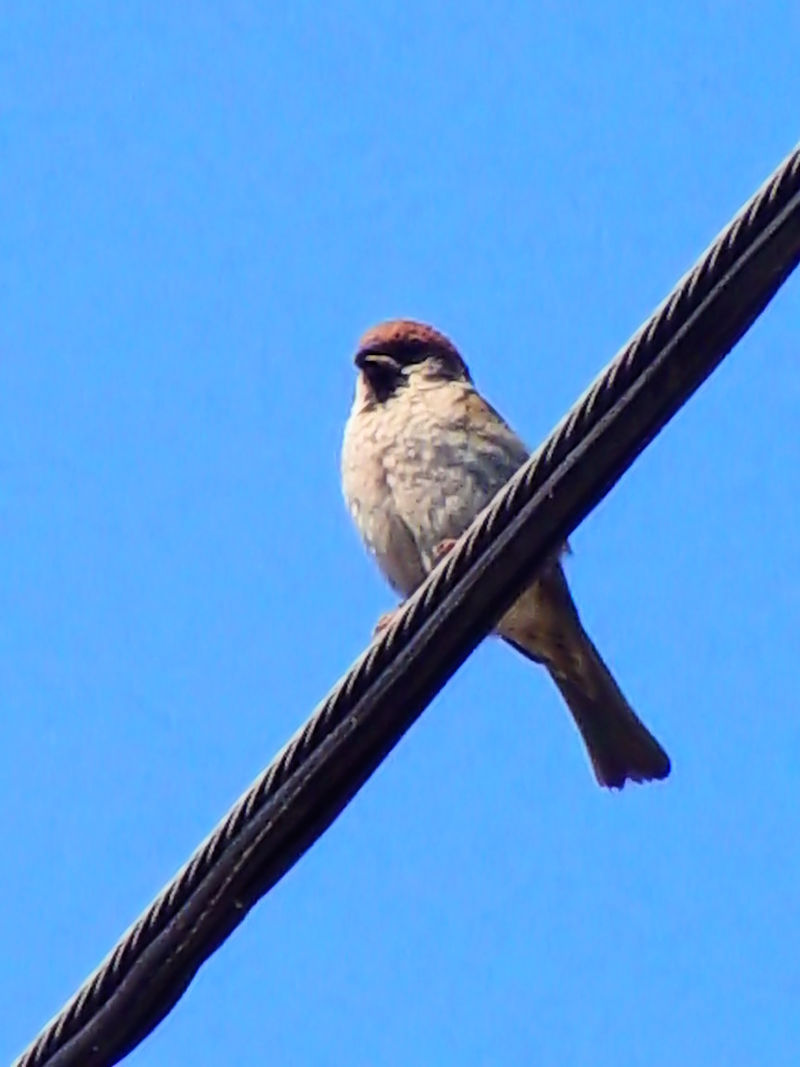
{"points": [[423, 453]]}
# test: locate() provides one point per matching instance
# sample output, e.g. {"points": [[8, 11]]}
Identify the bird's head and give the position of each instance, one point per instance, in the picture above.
{"points": [[395, 353]]}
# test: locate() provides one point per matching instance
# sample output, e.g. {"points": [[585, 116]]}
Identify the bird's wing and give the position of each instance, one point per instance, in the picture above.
{"points": [[399, 558]]}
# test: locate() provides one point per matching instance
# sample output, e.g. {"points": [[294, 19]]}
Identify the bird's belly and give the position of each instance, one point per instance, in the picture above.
{"points": [[439, 487], [410, 490]]}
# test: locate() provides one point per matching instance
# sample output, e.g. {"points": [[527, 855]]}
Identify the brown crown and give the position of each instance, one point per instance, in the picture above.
{"points": [[395, 333]]}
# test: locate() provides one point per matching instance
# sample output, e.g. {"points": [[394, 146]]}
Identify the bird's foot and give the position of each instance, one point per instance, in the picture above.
{"points": [[443, 548], [439, 552], [384, 622]]}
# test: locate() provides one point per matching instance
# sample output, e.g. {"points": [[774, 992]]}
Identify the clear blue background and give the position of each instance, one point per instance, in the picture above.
{"points": [[201, 207]]}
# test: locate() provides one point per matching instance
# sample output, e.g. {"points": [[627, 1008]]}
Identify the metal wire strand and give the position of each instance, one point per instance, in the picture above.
{"points": [[319, 770]]}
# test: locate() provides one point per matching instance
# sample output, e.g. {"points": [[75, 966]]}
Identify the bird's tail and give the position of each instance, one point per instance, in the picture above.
{"points": [[544, 625], [620, 746]]}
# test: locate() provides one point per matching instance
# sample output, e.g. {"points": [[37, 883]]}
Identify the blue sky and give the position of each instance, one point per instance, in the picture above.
{"points": [[201, 207]]}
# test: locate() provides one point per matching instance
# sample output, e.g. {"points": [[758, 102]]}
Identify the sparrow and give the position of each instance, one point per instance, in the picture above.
{"points": [[423, 454]]}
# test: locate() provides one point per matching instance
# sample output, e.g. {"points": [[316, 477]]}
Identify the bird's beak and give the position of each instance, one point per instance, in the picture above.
{"points": [[376, 360]]}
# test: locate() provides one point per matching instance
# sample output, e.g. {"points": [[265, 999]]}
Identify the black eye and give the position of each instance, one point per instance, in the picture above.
{"points": [[382, 371], [383, 376]]}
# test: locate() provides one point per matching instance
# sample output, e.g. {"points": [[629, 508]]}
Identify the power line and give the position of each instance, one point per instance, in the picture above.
{"points": [[326, 762]]}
